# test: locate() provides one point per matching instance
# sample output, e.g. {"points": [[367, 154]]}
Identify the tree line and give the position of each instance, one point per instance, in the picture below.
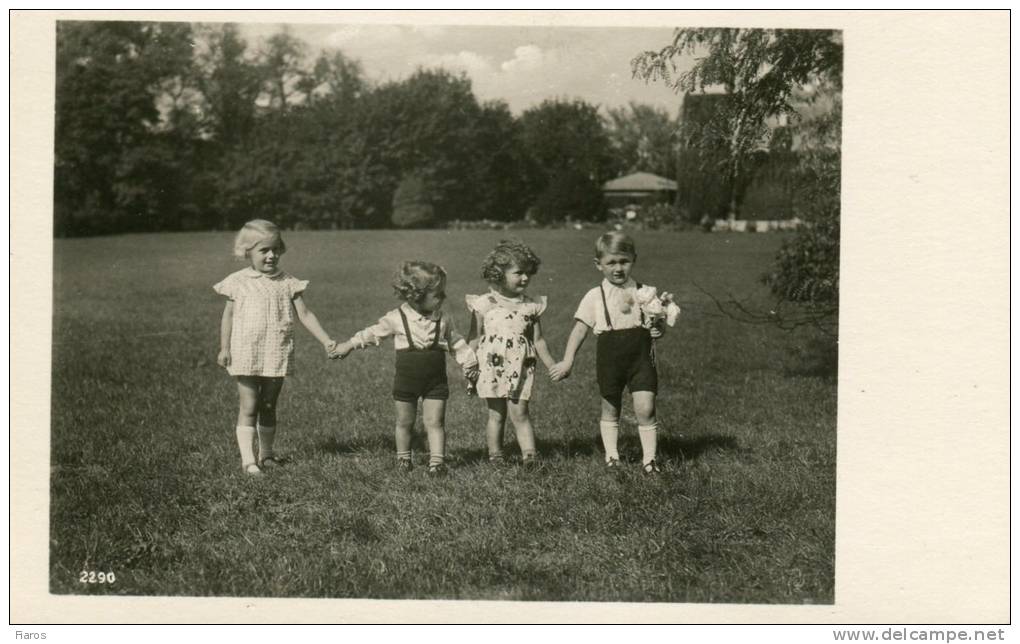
{"points": [[179, 126]]}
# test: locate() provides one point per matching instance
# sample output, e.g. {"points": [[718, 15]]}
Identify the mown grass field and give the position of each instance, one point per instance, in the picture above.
{"points": [[146, 480]]}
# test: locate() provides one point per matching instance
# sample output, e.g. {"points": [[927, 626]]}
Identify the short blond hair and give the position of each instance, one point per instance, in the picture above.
{"points": [[615, 243], [252, 233]]}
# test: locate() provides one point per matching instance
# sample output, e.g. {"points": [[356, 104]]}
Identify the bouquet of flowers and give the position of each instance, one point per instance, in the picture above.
{"points": [[657, 307]]}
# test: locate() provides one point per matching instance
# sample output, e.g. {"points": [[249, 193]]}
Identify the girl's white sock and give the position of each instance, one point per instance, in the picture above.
{"points": [[246, 443], [266, 437], [610, 437], [647, 434]]}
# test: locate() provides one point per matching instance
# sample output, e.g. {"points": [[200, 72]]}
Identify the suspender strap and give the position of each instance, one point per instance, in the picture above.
{"points": [[435, 334], [410, 340], [605, 307], [407, 329], [639, 308]]}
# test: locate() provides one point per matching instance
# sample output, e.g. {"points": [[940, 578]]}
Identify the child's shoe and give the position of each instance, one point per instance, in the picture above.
{"points": [[651, 468], [269, 463], [251, 469], [497, 460], [404, 465], [613, 464], [529, 462], [437, 470]]}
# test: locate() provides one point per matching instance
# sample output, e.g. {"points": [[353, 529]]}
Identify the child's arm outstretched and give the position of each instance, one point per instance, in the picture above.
{"points": [[562, 369], [311, 323], [372, 336], [226, 326]]}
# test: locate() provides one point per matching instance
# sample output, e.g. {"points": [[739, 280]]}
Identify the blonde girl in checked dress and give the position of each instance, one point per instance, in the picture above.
{"points": [[507, 334], [257, 336]]}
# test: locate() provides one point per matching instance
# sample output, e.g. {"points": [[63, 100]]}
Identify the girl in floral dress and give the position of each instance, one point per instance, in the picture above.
{"points": [[506, 333]]}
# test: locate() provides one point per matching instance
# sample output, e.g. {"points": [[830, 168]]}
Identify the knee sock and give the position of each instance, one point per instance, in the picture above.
{"points": [[437, 445], [246, 443], [648, 439], [403, 440], [610, 436], [266, 437]]}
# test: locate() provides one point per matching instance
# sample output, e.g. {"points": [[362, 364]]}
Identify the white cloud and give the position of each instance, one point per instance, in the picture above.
{"points": [[526, 57], [472, 63]]}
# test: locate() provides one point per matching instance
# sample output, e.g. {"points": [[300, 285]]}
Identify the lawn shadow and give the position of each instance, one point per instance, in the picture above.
{"points": [[336, 445], [682, 448], [818, 359], [668, 447]]}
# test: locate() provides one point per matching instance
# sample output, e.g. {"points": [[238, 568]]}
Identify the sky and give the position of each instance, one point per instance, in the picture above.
{"points": [[521, 65]]}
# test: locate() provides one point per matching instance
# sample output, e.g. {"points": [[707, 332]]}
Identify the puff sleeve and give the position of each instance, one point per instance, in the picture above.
{"points": [[295, 286], [538, 306], [227, 287], [479, 303]]}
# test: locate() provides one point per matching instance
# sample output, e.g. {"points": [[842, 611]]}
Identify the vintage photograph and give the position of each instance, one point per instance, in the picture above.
{"points": [[445, 311]]}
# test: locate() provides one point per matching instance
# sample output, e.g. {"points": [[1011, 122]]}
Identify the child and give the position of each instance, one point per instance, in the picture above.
{"points": [[507, 333], [625, 354], [422, 336], [256, 336]]}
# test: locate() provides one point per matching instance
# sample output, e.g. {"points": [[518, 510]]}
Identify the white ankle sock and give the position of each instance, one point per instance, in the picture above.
{"points": [[647, 434], [266, 437], [246, 443], [610, 430]]}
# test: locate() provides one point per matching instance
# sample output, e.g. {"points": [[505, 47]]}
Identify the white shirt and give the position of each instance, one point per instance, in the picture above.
{"points": [[624, 311], [423, 328]]}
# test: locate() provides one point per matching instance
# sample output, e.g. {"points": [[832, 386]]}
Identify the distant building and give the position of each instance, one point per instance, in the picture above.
{"points": [[639, 188]]}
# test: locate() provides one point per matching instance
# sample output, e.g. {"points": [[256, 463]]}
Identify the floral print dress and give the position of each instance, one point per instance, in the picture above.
{"points": [[506, 349]]}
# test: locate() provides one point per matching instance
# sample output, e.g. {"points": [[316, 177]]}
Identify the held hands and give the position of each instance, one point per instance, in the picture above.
{"points": [[560, 371], [338, 351], [223, 358], [471, 373]]}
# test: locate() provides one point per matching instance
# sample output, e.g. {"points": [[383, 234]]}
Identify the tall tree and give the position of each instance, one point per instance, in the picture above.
{"points": [[282, 62], [569, 145], [644, 139], [760, 69], [109, 76], [229, 82], [767, 73]]}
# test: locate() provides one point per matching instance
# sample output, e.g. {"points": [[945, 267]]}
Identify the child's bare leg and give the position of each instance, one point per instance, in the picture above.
{"points": [[494, 426], [269, 393], [434, 417], [407, 412], [248, 397], [609, 427], [522, 424], [644, 409]]}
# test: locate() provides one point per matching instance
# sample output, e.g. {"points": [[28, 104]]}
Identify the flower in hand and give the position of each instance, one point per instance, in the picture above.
{"points": [[658, 308]]}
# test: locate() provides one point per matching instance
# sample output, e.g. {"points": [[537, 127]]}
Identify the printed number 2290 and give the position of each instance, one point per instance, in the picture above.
{"points": [[93, 577]]}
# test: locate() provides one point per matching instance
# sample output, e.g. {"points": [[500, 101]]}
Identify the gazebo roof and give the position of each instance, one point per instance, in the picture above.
{"points": [[639, 182]]}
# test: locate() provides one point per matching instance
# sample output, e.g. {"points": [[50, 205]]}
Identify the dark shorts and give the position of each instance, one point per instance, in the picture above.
{"points": [[625, 359], [420, 374]]}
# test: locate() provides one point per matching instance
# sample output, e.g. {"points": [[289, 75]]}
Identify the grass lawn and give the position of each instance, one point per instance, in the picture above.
{"points": [[146, 479]]}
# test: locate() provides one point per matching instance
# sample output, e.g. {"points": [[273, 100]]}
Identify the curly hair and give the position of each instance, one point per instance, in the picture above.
{"points": [[416, 278], [507, 253], [616, 243], [254, 232]]}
